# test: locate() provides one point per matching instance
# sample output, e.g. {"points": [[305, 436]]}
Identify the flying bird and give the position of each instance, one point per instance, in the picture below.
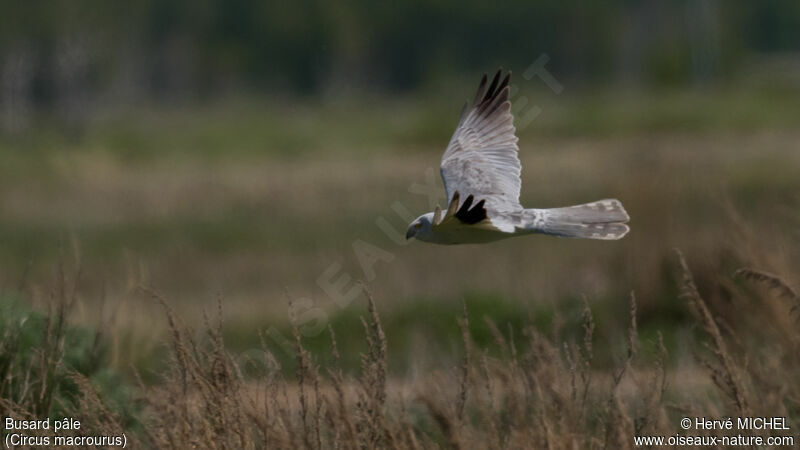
{"points": [[481, 174]]}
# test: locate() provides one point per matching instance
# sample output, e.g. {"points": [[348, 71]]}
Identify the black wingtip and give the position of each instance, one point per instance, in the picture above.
{"points": [[487, 95], [481, 87], [505, 80], [469, 214], [492, 88]]}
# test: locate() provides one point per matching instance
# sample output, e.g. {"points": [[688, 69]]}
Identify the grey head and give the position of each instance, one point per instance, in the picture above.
{"points": [[421, 228]]}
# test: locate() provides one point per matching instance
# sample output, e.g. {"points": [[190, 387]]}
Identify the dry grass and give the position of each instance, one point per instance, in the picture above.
{"points": [[547, 396]]}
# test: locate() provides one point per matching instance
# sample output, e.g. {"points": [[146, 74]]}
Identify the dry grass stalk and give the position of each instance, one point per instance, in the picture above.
{"points": [[337, 380], [728, 377], [445, 423], [373, 382], [463, 385], [773, 282]]}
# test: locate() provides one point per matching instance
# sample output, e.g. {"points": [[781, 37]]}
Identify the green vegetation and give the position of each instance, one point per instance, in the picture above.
{"points": [[259, 128], [44, 359]]}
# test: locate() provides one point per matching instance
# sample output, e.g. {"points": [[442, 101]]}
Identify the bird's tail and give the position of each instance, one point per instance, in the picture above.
{"points": [[603, 219]]}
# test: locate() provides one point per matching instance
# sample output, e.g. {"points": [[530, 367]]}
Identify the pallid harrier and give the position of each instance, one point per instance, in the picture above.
{"points": [[481, 166]]}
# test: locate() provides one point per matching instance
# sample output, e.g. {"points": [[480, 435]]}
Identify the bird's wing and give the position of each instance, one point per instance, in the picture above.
{"points": [[481, 159], [464, 214]]}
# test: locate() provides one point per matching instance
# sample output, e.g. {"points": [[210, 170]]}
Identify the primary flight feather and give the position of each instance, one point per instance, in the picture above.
{"points": [[481, 174]]}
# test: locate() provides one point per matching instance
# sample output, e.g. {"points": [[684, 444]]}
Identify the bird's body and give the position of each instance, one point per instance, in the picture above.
{"points": [[458, 233], [481, 166]]}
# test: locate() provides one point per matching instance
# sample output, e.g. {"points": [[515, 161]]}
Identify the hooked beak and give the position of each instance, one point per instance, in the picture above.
{"points": [[410, 233]]}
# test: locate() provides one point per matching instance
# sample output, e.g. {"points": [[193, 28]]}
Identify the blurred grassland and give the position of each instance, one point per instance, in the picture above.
{"points": [[255, 198]]}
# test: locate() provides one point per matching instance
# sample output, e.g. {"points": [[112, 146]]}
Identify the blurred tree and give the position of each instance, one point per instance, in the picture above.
{"points": [[66, 56]]}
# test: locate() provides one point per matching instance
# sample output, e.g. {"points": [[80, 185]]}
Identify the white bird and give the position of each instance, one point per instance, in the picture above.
{"points": [[481, 166]]}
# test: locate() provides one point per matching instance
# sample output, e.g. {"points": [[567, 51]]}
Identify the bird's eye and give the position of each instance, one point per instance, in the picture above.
{"points": [[418, 225]]}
